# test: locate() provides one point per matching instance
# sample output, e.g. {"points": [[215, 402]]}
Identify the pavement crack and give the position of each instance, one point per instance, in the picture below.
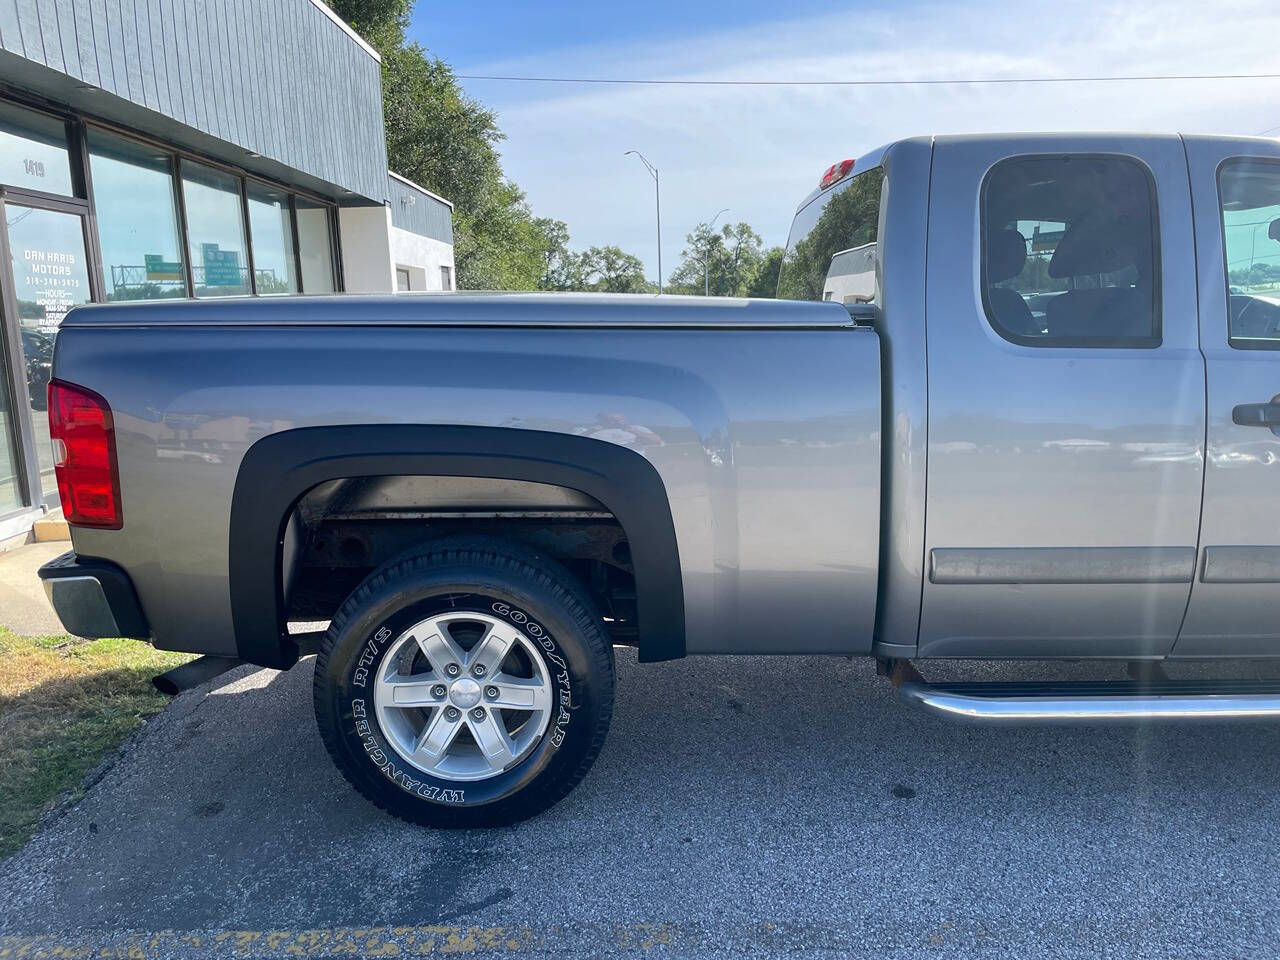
{"points": [[498, 896]]}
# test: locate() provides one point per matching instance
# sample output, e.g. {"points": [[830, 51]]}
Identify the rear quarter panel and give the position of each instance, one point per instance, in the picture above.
{"points": [[767, 442]]}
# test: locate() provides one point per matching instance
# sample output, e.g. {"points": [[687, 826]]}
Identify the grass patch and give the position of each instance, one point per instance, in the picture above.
{"points": [[65, 703]]}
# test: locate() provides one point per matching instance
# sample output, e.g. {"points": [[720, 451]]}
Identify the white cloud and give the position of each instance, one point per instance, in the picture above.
{"points": [[759, 150]]}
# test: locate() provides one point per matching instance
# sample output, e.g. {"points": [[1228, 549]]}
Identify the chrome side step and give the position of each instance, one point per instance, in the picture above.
{"points": [[1091, 702]]}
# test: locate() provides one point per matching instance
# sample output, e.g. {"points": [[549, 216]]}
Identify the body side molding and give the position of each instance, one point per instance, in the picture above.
{"points": [[278, 469], [1241, 565], [1062, 564]]}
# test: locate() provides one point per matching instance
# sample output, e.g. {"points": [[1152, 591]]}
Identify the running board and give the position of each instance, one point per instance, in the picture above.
{"points": [[1104, 702]]}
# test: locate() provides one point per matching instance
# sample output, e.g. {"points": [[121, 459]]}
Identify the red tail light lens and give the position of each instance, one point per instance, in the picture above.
{"points": [[84, 454]]}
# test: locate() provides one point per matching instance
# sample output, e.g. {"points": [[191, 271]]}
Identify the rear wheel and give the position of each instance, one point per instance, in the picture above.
{"points": [[471, 685]]}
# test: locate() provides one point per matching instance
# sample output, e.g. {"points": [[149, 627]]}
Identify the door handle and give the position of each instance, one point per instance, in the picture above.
{"points": [[1257, 414]]}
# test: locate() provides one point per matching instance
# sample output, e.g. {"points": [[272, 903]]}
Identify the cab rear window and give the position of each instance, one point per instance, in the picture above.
{"points": [[831, 253]]}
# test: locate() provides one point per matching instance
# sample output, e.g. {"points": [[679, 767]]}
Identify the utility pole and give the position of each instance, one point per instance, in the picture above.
{"points": [[657, 199], [706, 261]]}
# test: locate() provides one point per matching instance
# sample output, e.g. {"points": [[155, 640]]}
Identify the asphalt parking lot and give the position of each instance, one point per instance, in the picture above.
{"points": [[749, 807]]}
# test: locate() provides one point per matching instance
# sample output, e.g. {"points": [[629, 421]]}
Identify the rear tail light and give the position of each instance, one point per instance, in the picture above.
{"points": [[84, 456], [835, 173]]}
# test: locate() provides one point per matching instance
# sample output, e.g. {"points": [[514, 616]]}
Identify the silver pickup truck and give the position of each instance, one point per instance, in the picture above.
{"points": [[1019, 398]]}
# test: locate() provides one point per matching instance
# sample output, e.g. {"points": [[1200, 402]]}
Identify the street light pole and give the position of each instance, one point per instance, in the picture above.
{"points": [[706, 261], [657, 199]]}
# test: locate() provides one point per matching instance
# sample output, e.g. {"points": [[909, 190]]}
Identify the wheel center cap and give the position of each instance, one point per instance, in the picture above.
{"points": [[464, 693]]}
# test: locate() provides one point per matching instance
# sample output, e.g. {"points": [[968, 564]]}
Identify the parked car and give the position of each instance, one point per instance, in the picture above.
{"points": [[1039, 433]]}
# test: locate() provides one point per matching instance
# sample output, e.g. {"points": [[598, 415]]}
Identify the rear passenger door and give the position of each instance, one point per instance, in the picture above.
{"points": [[1066, 398], [1235, 603]]}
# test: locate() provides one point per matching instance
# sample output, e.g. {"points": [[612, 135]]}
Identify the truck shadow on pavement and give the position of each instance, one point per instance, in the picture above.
{"points": [[730, 793]]}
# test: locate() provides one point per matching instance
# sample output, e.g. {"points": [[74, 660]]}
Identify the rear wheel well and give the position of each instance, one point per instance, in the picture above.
{"points": [[281, 471], [343, 529]]}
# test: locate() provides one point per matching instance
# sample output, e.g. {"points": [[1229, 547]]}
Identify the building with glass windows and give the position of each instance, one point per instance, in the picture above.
{"points": [[153, 149]]}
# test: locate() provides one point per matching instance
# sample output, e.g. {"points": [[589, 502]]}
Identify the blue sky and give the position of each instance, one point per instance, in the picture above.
{"points": [[759, 150], [509, 29]]}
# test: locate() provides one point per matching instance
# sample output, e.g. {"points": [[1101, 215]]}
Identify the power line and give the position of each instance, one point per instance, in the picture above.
{"points": [[869, 83]]}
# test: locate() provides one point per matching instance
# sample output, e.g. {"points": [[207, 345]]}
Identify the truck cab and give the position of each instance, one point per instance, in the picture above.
{"points": [[1081, 364]]}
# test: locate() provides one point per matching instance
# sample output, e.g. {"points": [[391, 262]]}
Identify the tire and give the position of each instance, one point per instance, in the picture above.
{"points": [[466, 591]]}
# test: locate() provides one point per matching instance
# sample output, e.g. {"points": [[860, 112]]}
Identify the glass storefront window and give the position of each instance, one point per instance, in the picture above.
{"points": [[271, 229], [315, 247], [50, 276], [137, 219], [33, 151], [10, 488], [215, 231]]}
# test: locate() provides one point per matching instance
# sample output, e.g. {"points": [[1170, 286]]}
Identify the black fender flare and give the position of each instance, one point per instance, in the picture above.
{"points": [[278, 469]]}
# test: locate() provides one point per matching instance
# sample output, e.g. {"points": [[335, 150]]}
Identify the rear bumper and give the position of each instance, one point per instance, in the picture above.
{"points": [[93, 598]]}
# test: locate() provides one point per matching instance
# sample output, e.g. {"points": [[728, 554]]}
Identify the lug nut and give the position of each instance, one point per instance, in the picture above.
{"points": [[478, 670], [491, 693], [439, 691], [451, 669], [477, 713], [452, 713]]}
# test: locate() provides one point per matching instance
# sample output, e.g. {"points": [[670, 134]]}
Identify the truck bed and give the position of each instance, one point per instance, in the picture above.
{"points": [[762, 420]]}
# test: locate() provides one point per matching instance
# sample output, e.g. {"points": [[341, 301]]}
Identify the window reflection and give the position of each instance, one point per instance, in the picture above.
{"points": [[832, 244], [10, 490], [137, 220], [271, 227], [215, 231], [50, 276], [33, 151], [315, 247], [1250, 196]]}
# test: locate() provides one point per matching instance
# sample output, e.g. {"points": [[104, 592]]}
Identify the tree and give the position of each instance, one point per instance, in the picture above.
{"points": [[562, 268], [441, 138], [692, 275], [381, 22], [614, 270], [724, 264], [743, 253], [765, 281]]}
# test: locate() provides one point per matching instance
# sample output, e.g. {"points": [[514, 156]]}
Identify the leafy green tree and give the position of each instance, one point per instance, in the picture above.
{"points": [[608, 269], [704, 248], [765, 281], [724, 264], [381, 22], [744, 249], [441, 138], [614, 271], [563, 269]]}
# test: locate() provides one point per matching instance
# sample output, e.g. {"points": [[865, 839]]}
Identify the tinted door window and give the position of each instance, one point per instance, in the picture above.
{"points": [[1069, 252], [1249, 193]]}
